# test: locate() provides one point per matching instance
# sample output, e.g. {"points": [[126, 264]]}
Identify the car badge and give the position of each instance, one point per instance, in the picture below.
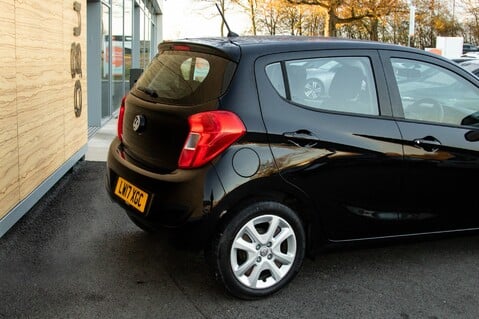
{"points": [[139, 123]]}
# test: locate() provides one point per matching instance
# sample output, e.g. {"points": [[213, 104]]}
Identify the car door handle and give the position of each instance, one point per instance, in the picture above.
{"points": [[302, 134], [428, 143]]}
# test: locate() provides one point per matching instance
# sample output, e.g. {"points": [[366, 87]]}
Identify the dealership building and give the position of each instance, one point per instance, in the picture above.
{"points": [[65, 65]]}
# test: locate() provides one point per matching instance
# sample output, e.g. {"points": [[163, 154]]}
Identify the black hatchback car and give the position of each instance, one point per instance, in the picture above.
{"points": [[224, 136]]}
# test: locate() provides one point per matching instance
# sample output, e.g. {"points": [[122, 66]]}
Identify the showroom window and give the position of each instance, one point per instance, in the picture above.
{"points": [[126, 36]]}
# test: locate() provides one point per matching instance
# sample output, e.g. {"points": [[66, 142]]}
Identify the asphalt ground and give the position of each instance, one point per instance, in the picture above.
{"points": [[77, 255]]}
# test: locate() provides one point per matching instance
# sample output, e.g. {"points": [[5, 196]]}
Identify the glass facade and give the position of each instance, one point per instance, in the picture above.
{"points": [[119, 47], [105, 65], [127, 38]]}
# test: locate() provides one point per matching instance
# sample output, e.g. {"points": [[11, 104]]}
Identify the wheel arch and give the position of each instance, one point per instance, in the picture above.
{"points": [[276, 190]]}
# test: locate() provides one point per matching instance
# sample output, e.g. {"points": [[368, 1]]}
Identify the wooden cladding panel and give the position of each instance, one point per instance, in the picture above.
{"points": [[38, 127], [41, 92], [9, 185]]}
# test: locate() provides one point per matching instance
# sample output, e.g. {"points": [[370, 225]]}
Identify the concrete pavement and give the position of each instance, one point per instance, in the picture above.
{"points": [[98, 144]]}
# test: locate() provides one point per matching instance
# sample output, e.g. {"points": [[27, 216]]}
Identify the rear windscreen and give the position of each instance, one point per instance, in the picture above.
{"points": [[185, 77]]}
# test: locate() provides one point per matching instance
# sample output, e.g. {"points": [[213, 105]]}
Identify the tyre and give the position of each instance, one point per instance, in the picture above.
{"points": [[259, 250]]}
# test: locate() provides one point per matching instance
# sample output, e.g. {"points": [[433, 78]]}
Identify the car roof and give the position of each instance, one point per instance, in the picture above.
{"points": [[470, 65], [464, 58], [258, 45], [471, 61]]}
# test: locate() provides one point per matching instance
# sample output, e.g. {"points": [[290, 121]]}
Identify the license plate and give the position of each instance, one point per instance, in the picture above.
{"points": [[131, 194]]}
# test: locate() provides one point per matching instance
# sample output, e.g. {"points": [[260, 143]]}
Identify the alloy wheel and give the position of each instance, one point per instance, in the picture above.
{"points": [[263, 251]]}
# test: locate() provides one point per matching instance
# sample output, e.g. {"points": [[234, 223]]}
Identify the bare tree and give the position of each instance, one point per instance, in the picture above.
{"points": [[249, 6], [395, 26], [269, 15], [206, 11], [433, 19], [471, 24], [292, 19], [315, 21]]}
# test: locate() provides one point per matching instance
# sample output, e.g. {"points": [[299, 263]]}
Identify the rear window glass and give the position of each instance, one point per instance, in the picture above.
{"points": [[341, 84], [185, 77]]}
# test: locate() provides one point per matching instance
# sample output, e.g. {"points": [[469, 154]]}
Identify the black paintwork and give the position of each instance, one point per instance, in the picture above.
{"points": [[349, 176]]}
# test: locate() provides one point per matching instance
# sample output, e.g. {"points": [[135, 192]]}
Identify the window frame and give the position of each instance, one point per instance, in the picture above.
{"points": [[383, 100]]}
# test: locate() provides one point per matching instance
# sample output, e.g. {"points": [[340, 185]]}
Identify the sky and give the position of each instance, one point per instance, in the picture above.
{"points": [[196, 18]]}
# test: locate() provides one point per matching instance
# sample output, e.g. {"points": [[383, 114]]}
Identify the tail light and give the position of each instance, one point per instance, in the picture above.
{"points": [[210, 134], [121, 115]]}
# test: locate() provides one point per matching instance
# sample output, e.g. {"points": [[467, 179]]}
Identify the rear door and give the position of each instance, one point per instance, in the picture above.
{"points": [[339, 145], [437, 108]]}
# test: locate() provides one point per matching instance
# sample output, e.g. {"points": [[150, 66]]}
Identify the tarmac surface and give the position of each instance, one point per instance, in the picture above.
{"points": [[77, 255]]}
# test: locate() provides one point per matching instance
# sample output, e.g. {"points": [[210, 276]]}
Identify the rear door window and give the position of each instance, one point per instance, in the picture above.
{"points": [[344, 84]]}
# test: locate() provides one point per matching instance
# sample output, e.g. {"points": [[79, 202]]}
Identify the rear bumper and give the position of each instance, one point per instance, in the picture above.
{"points": [[174, 200]]}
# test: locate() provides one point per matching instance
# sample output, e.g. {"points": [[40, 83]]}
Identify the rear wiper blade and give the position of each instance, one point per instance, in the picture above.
{"points": [[150, 92]]}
